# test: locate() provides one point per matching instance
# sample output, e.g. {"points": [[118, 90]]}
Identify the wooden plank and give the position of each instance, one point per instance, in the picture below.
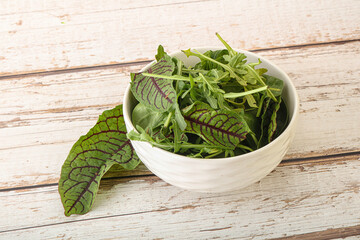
{"points": [[47, 35], [343, 233], [292, 200], [39, 126], [319, 80]]}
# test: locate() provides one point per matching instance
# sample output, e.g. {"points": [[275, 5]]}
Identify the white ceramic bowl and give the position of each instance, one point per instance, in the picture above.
{"points": [[218, 174]]}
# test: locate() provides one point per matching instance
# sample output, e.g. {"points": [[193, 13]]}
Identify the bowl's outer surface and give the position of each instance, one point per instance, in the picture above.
{"points": [[219, 174]]}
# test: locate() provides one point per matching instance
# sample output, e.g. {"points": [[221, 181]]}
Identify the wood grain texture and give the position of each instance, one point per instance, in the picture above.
{"points": [[42, 116], [62, 63], [347, 233], [292, 200], [47, 35]]}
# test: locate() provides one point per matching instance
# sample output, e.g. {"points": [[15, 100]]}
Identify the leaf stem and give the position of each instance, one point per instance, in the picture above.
{"points": [[206, 82], [230, 70], [226, 67], [235, 103], [245, 147], [188, 145], [214, 154], [260, 106], [179, 65], [231, 51], [174, 77], [195, 70], [168, 119], [242, 94], [258, 78]]}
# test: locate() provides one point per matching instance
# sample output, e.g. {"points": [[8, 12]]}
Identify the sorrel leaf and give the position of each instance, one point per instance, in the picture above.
{"points": [[273, 122], [155, 93], [282, 118], [91, 157], [265, 119], [218, 127], [147, 118]]}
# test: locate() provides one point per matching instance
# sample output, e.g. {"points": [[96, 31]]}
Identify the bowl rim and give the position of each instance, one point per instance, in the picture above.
{"points": [[290, 125]]}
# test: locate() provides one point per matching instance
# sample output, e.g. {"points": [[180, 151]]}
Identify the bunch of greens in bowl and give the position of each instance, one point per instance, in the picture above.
{"points": [[221, 107]]}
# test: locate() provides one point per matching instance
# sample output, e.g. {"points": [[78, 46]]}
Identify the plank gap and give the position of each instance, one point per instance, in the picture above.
{"points": [[315, 44], [285, 162], [75, 69], [103, 217], [331, 233], [320, 158], [66, 222], [143, 62], [55, 184]]}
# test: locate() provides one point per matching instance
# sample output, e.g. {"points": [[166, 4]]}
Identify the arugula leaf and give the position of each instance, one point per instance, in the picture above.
{"points": [[265, 118], [155, 93], [179, 118], [160, 53], [217, 55], [246, 93], [255, 75], [273, 122], [216, 75], [177, 136], [224, 66], [275, 85], [252, 78], [282, 118], [91, 157], [237, 61], [231, 51]]}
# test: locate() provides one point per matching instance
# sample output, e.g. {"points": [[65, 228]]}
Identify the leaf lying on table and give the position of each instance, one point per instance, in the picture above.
{"points": [[91, 157]]}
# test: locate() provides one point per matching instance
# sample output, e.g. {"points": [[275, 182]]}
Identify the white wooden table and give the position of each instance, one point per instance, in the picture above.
{"points": [[62, 63]]}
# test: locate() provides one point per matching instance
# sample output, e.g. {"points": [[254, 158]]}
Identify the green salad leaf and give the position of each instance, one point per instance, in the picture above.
{"points": [[146, 118], [218, 127], [91, 157], [155, 93], [275, 85]]}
